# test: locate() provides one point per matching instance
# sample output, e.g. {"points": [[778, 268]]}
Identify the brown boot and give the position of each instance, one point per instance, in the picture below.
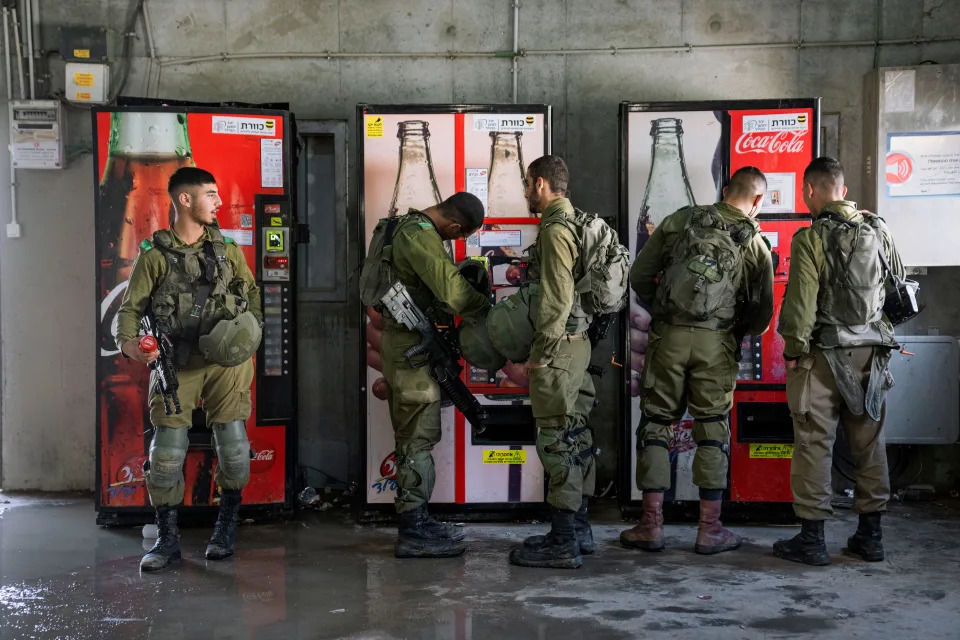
{"points": [[648, 535], [712, 537]]}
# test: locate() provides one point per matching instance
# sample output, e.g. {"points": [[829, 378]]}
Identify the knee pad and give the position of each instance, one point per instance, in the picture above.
{"points": [[168, 449], [233, 449]]}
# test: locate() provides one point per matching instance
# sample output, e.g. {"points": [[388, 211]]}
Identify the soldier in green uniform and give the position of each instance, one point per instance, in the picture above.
{"points": [[837, 344], [561, 390], [199, 290], [413, 245], [707, 273]]}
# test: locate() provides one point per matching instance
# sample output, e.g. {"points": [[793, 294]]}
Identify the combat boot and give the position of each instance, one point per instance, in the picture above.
{"points": [[807, 547], [648, 534], [582, 529], [712, 537], [166, 550], [225, 531], [442, 529], [418, 539], [866, 541], [558, 549]]}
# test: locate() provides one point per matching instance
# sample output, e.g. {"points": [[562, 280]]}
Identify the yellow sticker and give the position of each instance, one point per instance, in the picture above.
{"points": [[82, 95], [276, 221], [81, 53], [767, 450], [83, 79], [374, 126], [504, 456]]}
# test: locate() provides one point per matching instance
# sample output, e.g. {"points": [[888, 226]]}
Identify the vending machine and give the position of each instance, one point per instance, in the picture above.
{"points": [[251, 153], [417, 156], [676, 154]]}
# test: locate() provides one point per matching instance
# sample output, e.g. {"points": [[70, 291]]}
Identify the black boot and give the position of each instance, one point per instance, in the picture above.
{"points": [[583, 530], [225, 531], [558, 549], [166, 550], [866, 541], [442, 529], [416, 538], [807, 547]]}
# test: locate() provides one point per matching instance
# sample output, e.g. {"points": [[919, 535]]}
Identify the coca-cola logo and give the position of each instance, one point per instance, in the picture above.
{"points": [[771, 142], [388, 468], [262, 460], [899, 168]]}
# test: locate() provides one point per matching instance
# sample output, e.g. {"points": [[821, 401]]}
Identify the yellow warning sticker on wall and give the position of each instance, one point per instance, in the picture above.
{"points": [[276, 221], [504, 456], [83, 79], [82, 95], [767, 450], [374, 126], [81, 53]]}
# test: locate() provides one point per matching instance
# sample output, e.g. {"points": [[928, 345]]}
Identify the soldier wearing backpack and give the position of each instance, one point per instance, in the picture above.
{"points": [[704, 270], [582, 271], [409, 249], [838, 344]]}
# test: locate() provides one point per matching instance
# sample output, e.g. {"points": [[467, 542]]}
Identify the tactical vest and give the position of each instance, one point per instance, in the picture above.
{"points": [[378, 273], [851, 295], [194, 273], [702, 282]]}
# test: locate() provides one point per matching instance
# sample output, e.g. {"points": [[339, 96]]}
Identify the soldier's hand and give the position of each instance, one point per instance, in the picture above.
{"points": [[131, 349], [791, 364], [528, 367]]}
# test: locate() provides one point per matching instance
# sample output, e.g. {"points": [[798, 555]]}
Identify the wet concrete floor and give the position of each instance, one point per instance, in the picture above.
{"points": [[323, 576]]}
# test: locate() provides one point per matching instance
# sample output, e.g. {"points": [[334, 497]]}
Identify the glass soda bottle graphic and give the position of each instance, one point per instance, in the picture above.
{"points": [[505, 197], [144, 150], [416, 184], [668, 187]]}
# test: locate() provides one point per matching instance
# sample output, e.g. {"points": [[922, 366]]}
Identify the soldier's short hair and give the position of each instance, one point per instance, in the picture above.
{"points": [[465, 209], [747, 182], [825, 173], [188, 177], [552, 169]]}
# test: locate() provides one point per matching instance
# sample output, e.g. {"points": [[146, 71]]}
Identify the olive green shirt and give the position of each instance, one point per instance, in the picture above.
{"points": [[420, 260], [757, 264], [149, 270], [798, 314], [556, 256]]}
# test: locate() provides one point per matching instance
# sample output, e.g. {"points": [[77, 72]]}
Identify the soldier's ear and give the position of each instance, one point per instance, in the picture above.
{"points": [[844, 191]]}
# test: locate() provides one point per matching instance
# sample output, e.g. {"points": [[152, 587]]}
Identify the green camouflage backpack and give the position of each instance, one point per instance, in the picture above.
{"points": [[701, 282], [378, 275], [603, 278], [854, 274]]}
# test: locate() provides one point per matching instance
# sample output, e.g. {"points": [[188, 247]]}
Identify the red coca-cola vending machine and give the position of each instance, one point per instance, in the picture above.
{"points": [[680, 153], [252, 155]]}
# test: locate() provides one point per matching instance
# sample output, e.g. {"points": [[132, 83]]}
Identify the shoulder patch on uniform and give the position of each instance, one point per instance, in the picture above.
{"points": [[146, 245], [229, 240], [425, 225], [766, 241]]}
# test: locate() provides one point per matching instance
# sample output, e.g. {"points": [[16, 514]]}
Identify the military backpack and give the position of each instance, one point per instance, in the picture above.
{"points": [[854, 274], [378, 275], [603, 278], [701, 283]]}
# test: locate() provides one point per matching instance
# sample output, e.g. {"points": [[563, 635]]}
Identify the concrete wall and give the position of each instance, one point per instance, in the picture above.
{"points": [[46, 276]]}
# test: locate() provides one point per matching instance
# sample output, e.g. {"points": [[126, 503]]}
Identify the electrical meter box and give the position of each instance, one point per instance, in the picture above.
{"points": [[36, 134]]}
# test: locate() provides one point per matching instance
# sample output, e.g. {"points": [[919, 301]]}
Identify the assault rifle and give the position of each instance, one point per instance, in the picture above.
{"points": [[166, 383], [437, 349]]}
